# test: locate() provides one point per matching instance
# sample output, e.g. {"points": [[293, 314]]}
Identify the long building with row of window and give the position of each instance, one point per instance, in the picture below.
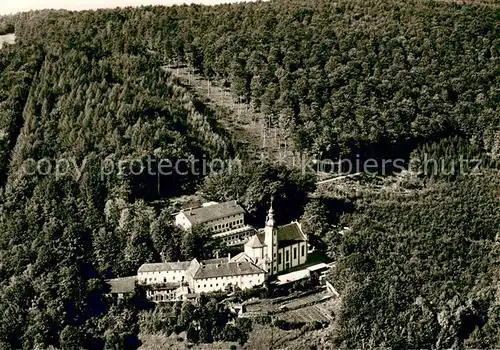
{"points": [[225, 220], [270, 251], [174, 280], [267, 252]]}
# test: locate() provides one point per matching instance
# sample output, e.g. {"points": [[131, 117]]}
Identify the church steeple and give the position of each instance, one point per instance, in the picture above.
{"points": [[270, 216], [271, 240]]}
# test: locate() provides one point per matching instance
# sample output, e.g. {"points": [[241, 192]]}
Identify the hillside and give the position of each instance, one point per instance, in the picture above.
{"points": [[88, 113]]}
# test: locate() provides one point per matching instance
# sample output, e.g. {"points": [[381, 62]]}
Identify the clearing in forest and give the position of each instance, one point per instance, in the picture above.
{"points": [[252, 130]]}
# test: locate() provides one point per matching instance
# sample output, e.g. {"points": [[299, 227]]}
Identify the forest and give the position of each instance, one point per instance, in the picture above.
{"points": [[419, 267]]}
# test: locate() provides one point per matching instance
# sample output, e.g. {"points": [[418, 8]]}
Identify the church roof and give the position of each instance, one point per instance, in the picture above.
{"points": [[227, 269], [255, 242], [290, 234], [287, 235], [203, 214]]}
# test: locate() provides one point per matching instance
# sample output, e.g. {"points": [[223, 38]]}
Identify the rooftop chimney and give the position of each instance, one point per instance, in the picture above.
{"points": [[228, 257]]}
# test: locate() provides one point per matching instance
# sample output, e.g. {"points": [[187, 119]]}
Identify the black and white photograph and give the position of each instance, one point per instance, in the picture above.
{"points": [[254, 175]]}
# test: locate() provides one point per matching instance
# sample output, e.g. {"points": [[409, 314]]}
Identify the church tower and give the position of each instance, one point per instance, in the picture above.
{"points": [[271, 241]]}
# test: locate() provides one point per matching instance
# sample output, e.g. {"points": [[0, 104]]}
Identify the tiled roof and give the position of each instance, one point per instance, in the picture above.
{"points": [[122, 284], [164, 266], [201, 215], [287, 235], [290, 234], [176, 266], [241, 257], [227, 269], [193, 267], [254, 242], [215, 261]]}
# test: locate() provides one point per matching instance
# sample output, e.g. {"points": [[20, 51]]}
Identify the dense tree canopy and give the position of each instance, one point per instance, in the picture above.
{"points": [[350, 75], [421, 269], [340, 76]]}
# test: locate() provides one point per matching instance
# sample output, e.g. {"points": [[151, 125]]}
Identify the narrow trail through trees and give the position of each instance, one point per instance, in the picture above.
{"points": [[253, 130]]}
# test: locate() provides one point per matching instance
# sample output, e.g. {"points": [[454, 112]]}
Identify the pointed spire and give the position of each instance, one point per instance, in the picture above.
{"points": [[270, 215]]}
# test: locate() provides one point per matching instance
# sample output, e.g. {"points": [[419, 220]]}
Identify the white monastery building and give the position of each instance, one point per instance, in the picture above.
{"points": [[172, 281], [267, 252], [225, 220]]}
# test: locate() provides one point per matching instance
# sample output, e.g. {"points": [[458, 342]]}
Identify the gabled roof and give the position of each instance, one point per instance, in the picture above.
{"points": [[227, 269], [203, 214], [241, 257], [193, 267], [287, 235], [215, 261], [164, 266], [290, 234], [255, 242]]}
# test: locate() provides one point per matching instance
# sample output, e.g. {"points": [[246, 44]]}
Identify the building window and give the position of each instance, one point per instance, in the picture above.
{"points": [[303, 250], [164, 279], [279, 258], [210, 286], [287, 255], [198, 286], [295, 252], [204, 286], [173, 278]]}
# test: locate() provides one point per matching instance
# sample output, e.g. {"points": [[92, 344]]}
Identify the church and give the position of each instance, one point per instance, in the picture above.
{"points": [[266, 252], [276, 248]]}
